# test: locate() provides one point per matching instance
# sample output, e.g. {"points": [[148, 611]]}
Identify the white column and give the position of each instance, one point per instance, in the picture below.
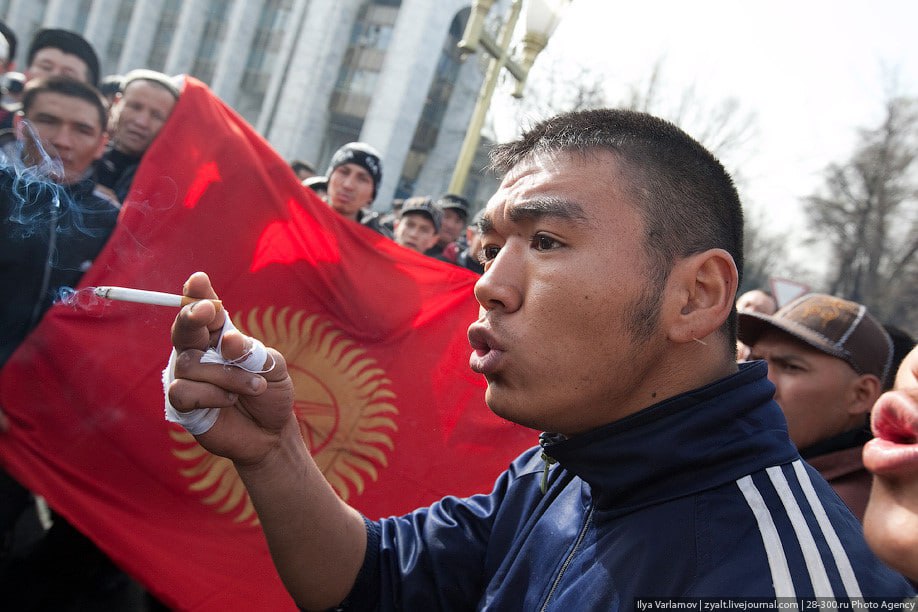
{"points": [[25, 18], [438, 169], [61, 14], [235, 49], [411, 60], [187, 36], [296, 112], [139, 38], [99, 26]]}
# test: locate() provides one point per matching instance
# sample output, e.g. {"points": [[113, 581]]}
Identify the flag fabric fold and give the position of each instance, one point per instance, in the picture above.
{"points": [[374, 335]]}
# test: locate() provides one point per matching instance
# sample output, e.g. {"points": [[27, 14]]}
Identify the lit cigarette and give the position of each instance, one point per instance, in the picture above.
{"points": [[156, 298]]}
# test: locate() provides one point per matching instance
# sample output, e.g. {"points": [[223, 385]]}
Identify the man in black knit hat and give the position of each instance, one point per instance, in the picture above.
{"points": [[354, 174]]}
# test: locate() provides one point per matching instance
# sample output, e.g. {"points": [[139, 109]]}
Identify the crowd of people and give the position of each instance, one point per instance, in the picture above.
{"points": [[439, 228], [696, 444]]}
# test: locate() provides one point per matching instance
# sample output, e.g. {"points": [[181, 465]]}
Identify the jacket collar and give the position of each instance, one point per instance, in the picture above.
{"points": [[685, 444]]}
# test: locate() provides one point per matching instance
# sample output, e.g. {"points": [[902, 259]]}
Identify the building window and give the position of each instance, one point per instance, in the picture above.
{"points": [[162, 38], [263, 54], [119, 32], [359, 74], [82, 16], [211, 38], [438, 96]]}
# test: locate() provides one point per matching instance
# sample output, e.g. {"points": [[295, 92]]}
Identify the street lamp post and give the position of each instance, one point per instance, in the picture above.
{"points": [[542, 17]]}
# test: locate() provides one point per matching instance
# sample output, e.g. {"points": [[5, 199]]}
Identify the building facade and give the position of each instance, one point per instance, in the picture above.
{"points": [[309, 75]]}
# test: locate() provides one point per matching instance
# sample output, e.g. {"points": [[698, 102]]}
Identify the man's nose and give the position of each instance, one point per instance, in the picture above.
{"points": [[501, 286], [62, 138]]}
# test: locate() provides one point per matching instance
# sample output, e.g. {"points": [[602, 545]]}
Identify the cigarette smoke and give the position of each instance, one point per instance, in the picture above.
{"points": [[83, 299], [33, 202]]}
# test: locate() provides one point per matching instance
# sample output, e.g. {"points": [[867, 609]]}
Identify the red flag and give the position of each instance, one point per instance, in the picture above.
{"points": [[374, 336]]}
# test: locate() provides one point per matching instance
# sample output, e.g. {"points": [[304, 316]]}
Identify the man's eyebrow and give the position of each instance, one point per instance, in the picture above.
{"points": [[43, 116], [540, 208]]}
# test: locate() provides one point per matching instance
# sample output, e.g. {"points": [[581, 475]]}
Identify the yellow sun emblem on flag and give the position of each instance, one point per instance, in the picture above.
{"points": [[343, 402]]}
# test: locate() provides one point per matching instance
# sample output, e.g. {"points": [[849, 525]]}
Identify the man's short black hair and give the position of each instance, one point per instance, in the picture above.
{"points": [[70, 43], [686, 198], [64, 86]]}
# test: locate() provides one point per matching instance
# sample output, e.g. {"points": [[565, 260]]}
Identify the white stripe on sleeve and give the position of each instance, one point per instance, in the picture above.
{"points": [[814, 564], [845, 570], [777, 561]]}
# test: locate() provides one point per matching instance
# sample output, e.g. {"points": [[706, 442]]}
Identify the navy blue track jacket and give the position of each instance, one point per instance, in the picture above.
{"points": [[700, 496]]}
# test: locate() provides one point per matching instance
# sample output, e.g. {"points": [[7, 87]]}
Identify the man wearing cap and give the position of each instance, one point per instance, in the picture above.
{"points": [[139, 113], [466, 253], [828, 359], [354, 174], [455, 213], [418, 224]]}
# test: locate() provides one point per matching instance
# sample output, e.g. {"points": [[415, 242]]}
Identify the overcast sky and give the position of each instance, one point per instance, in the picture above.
{"points": [[812, 72]]}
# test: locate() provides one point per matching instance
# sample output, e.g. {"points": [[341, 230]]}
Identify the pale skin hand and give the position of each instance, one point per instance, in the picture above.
{"points": [[891, 519], [316, 540]]}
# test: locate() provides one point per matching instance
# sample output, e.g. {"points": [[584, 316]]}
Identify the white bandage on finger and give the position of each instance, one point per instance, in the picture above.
{"points": [[197, 422]]}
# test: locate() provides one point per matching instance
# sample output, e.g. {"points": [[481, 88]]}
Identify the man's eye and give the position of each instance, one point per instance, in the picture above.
{"points": [[488, 253], [542, 242]]}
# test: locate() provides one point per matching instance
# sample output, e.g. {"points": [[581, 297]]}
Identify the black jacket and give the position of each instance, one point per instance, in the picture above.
{"points": [[116, 171], [49, 235]]}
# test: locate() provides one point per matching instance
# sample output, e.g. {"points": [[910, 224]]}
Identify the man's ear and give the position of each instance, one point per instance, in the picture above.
{"points": [[101, 148], [700, 294], [863, 392]]}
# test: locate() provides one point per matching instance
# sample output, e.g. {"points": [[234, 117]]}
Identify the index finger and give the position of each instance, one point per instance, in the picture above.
{"points": [[198, 324]]}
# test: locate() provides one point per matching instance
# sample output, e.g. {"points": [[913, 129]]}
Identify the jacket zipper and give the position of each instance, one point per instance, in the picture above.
{"points": [[567, 562]]}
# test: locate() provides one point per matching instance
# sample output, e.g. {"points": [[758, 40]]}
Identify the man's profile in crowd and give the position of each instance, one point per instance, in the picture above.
{"points": [[828, 359], [613, 251], [140, 111]]}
